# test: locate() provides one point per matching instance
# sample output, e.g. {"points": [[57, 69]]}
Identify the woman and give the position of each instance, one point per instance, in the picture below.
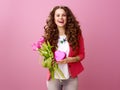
{"points": [[63, 31]]}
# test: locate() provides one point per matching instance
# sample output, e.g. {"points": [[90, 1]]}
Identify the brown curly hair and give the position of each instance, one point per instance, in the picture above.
{"points": [[72, 29]]}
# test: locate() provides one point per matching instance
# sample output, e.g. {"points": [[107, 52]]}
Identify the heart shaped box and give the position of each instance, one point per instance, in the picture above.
{"points": [[59, 55]]}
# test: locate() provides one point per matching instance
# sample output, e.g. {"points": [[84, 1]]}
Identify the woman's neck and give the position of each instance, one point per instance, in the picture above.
{"points": [[61, 31]]}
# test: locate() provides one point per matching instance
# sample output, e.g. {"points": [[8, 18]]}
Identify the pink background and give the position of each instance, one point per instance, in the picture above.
{"points": [[21, 24]]}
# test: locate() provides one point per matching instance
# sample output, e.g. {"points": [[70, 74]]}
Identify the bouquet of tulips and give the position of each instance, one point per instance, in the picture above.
{"points": [[45, 50]]}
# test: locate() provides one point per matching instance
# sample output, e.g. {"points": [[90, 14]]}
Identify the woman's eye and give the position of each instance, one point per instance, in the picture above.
{"points": [[64, 15], [57, 15]]}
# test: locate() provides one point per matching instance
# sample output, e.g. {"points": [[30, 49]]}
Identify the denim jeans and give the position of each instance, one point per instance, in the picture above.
{"points": [[69, 84]]}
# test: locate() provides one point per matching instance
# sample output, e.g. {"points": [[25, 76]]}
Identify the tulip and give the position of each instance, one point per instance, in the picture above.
{"points": [[42, 40], [45, 50], [34, 47]]}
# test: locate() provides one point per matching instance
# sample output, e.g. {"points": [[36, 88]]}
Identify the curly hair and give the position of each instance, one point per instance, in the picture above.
{"points": [[72, 28]]}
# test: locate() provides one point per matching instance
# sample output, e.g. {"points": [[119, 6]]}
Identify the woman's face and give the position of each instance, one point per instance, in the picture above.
{"points": [[60, 18]]}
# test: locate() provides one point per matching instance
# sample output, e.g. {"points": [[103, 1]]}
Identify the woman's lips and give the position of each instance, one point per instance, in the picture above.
{"points": [[61, 21]]}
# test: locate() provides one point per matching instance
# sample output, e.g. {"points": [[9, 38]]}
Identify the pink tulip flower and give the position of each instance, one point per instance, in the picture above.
{"points": [[42, 40], [34, 47], [38, 44]]}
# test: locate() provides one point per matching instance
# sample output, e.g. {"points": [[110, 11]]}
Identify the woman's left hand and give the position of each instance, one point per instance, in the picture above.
{"points": [[64, 61]]}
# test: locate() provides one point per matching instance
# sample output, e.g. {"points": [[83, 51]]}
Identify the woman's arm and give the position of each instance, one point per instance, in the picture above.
{"points": [[77, 58]]}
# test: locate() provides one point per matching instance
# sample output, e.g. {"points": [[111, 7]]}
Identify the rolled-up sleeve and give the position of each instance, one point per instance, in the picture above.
{"points": [[82, 48]]}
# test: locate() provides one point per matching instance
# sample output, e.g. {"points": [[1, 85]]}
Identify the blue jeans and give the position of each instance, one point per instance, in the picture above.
{"points": [[69, 84]]}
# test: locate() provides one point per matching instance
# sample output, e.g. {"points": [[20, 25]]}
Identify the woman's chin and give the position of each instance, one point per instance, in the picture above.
{"points": [[61, 26]]}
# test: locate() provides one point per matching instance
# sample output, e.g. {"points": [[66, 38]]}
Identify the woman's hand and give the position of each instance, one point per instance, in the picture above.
{"points": [[64, 61]]}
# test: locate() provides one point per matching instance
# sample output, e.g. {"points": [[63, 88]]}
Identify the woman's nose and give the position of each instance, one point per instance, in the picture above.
{"points": [[61, 16]]}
